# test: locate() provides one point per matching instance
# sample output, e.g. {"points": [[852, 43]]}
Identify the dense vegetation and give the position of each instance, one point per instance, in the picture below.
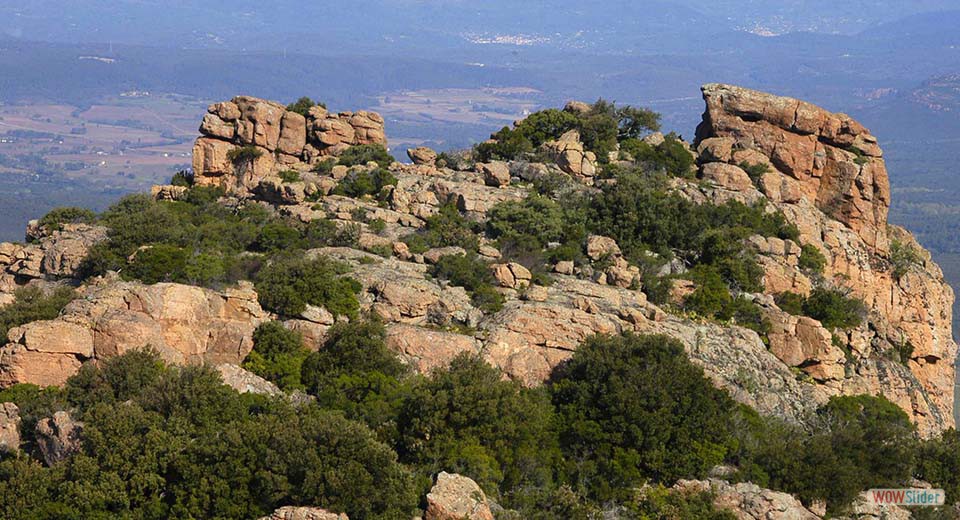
{"points": [[202, 242], [601, 127], [164, 442], [33, 304]]}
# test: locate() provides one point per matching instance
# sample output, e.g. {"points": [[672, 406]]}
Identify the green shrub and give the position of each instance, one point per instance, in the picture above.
{"points": [[288, 284], [244, 154], [444, 426], [356, 373], [32, 304], [362, 154], [277, 355], [834, 309], [938, 461], [711, 294], [634, 407], [635, 122], [600, 129], [159, 263], [536, 220], [56, 218], [289, 176], [445, 228], [450, 160], [811, 259], [303, 105], [791, 303], [325, 166], [174, 442], [661, 502], [377, 226], [754, 171], [474, 275], [361, 182], [182, 178], [670, 157], [903, 257], [860, 442]]}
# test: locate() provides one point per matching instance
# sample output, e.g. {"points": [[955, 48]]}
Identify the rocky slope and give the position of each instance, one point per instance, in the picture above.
{"points": [[824, 171]]}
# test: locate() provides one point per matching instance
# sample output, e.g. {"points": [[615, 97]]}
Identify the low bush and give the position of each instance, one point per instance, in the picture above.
{"points": [[360, 182], [56, 218], [834, 309], [288, 284], [277, 356], [811, 259], [474, 275], [289, 176], [303, 105], [445, 228], [33, 304], [362, 154], [903, 257], [444, 426], [182, 178], [171, 442], [244, 154]]}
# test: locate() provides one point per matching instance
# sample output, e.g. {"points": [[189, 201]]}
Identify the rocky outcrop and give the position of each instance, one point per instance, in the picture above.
{"points": [[428, 349], [50, 255], [273, 138], [9, 427], [826, 173], [184, 324], [569, 154], [422, 155], [246, 382], [836, 161], [748, 501], [304, 513], [58, 437], [455, 497]]}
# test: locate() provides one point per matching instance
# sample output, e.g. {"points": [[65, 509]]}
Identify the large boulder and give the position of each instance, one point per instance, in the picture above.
{"points": [[427, 349], [569, 154], [246, 382], [58, 437], [455, 497], [184, 324], [9, 427], [422, 155]]}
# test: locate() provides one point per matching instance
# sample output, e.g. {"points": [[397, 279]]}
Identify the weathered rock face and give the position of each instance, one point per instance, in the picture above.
{"points": [[570, 156], [422, 155], [50, 256], [748, 501], [58, 437], [246, 382], [184, 324], [304, 513], [9, 427], [837, 162], [283, 139], [455, 497], [826, 173]]}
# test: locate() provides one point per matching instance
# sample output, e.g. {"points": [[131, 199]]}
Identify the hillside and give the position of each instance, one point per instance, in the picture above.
{"points": [[573, 309]]}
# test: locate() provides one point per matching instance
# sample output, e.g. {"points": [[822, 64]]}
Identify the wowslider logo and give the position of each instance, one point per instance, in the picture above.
{"points": [[906, 497]]}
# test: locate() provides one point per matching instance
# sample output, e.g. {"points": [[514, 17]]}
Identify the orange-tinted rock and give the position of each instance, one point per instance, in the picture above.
{"points": [[836, 160]]}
